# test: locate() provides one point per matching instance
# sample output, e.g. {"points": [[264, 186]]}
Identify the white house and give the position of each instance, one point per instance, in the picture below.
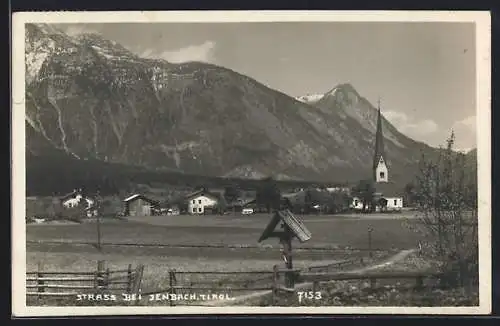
{"points": [[392, 203], [200, 200], [76, 198], [356, 203]]}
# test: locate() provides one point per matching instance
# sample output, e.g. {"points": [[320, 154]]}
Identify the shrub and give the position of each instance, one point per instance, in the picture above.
{"points": [[446, 195]]}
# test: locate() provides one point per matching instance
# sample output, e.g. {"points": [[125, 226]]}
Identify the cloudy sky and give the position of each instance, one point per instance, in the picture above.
{"points": [[423, 72]]}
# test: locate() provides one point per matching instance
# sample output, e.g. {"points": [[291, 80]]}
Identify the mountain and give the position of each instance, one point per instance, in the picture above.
{"points": [[92, 99]]}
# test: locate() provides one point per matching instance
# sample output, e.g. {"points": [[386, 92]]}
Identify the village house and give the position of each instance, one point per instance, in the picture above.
{"points": [[139, 205], [357, 204], [242, 205], [75, 198], [201, 201], [167, 208]]}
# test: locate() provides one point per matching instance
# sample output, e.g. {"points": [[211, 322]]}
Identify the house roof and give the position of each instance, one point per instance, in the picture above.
{"points": [[139, 196], [202, 193], [132, 197], [388, 189], [69, 195], [73, 194], [241, 202]]}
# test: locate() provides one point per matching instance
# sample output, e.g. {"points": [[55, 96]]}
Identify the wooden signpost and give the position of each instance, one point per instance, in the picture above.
{"points": [[290, 227]]}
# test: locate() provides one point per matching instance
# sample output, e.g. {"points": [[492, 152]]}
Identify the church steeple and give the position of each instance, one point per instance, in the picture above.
{"points": [[380, 172]]}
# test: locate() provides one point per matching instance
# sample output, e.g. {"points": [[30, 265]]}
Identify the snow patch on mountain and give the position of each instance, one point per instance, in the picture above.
{"points": [[332, 92], [309, 98], [35, 55]]}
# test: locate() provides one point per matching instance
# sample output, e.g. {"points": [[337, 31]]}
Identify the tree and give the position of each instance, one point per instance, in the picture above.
{"points": [[268, 195], [447, 203], [201, 187], [182, 204], [308, 200], [231, 193], [365, 191], [344, 200], [382, 203], [75, 213], [410, 194], [221, 206]]}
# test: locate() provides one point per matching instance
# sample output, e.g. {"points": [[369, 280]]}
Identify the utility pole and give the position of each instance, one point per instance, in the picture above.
{"points": [[98, 209], [370, 230]]}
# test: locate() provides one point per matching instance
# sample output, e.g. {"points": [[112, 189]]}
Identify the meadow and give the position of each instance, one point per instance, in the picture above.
{"points": [[390, 231], [209, 243]]}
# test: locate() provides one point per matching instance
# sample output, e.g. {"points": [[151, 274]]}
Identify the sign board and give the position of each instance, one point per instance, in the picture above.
{"points": [[296, 226]]}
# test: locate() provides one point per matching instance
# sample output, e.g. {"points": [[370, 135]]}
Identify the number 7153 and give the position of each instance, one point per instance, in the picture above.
{"points": [[309, 295]]}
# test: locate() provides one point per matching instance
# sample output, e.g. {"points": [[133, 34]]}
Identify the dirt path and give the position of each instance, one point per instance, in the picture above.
{"points": [[243, 298]]}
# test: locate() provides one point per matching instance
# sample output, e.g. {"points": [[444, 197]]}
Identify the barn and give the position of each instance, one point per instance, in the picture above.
{"points": [[139, 205]]}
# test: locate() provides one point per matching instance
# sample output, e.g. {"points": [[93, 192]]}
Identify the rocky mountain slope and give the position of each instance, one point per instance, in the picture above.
{"points": [[93, 99]]}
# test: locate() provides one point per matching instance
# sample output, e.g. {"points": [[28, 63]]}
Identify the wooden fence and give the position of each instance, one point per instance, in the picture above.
{"points": [[43, 283], [237, 281], [272, 281]]}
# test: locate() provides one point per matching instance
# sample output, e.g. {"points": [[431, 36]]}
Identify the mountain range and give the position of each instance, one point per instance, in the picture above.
{"points": [[91, 99]]}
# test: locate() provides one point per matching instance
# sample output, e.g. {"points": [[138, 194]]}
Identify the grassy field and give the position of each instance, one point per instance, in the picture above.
{"points": [[331, 231], [183, 243]]}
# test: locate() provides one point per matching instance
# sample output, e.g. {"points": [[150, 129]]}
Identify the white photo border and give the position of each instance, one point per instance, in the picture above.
{"points": [[482, 22]]}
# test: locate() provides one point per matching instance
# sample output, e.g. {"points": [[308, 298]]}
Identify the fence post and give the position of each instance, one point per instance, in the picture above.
{"points": [[173, 283], [138, 278], [106, 281], [315, 286], [129, 278], [100, 276], [370, 252], [40, 283], [275, 285]]}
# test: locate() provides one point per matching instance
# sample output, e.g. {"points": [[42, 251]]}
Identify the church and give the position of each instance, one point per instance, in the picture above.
{"points": [[386, 197]]}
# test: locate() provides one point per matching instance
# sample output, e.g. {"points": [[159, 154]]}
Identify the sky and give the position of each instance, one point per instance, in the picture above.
{"points": [[424, 73]]}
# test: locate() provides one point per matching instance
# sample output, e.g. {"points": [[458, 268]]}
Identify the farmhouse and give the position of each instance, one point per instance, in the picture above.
{"points": [[75, 198], [201, 201], [139, 205]]}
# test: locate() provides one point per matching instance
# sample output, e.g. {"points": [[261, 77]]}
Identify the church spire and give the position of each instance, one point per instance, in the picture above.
{"points": [[379, 155]]}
